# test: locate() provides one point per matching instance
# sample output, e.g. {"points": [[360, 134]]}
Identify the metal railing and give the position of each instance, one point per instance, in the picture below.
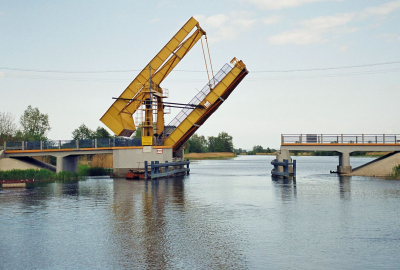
{"points": [[60, 145], [201, 95], [340, 139]]}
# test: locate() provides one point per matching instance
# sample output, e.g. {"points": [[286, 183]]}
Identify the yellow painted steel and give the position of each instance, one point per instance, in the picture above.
{"points": [[147, 140], [119, 116], [206, 103]]}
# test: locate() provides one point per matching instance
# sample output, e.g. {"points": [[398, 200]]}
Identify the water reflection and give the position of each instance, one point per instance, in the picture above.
{"points": [[344, 187], [286, 188], [156, 226], [141, 223]]}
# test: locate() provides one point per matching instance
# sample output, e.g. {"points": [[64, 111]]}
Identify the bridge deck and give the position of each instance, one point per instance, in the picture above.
{"points": [[341, 142], [70, 147]]}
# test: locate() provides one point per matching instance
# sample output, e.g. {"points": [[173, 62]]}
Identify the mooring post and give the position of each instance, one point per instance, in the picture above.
{"points": [[362, 139], [95, 143], [41, 146], [152, 169], [187, 166], [145, 170], [77, 144], [5, 146], [158, 168], [286, 167], [166, 166], [294, 168], [23, 146]]}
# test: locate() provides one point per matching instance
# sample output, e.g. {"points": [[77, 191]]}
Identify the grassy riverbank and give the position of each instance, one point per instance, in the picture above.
{"points": [[38, 175], [210, 155]]}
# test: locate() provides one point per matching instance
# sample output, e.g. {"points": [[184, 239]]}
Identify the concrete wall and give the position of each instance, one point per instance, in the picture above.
{"points": [[380, 167], [7, 164], [127, 159], [67, 163]]}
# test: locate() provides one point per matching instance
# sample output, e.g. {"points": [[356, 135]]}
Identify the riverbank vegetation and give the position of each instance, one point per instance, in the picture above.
{"points": [[44, 175], [396, 172], [87, 170], [199, 144], [38, 175], [210, 155]]}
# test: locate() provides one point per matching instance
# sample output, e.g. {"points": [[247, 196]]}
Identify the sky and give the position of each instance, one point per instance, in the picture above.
{"points": [[315, 66]]}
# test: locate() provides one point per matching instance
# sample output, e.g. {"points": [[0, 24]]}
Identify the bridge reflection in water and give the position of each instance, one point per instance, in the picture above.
{"points": [[160, 228]]}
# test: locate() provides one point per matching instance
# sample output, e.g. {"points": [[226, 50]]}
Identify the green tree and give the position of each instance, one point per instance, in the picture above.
{"points": [[8, 129], [258, 149], [222, 143], [101, 133], [138, 133], [82, 133], [197, 144], [35, 125]]}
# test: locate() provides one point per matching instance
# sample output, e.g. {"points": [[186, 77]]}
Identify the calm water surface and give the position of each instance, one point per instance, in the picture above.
{"points": [[227, 214]]}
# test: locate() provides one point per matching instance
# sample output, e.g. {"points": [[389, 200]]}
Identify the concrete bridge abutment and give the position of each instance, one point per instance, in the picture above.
{"points": [[344, 163], [67, 163]]}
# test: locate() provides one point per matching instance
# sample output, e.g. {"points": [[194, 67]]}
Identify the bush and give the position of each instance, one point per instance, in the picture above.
{"points": [[86, 170]]}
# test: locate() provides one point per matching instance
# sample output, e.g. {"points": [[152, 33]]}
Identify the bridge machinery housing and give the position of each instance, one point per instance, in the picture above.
{"points": [[144, 97]]}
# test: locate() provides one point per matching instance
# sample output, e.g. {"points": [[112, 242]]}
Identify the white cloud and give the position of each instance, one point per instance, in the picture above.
{"points": [[314, 30], [223, 27], [343, 48], [280, 4], [161, 4], [325, 28], [155, 20], [271, 20], [380, 11], [390, 37]]}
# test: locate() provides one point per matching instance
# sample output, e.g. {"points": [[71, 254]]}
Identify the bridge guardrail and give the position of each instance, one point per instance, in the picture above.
{"points": [[71, 144], [340, 139]]}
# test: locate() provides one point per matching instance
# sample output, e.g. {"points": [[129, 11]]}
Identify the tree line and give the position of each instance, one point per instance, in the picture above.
{"points": [[33, 126], [199, 144]]}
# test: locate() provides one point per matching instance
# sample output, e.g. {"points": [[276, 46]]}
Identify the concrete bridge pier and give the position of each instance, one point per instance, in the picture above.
{"points": [[344, 163], [67, 163]]}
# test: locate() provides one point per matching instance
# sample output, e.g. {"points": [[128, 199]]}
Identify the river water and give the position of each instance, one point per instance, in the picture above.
{"points": [[227, 214]]}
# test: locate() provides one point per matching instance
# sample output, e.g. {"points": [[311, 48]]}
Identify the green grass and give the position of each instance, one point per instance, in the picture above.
{"points": [[396, 172], [37, 175], [86, 170]]}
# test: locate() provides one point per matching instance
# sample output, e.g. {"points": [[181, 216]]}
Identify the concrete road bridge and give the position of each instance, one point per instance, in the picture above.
{"points": [[344, 144], [127, 153]]}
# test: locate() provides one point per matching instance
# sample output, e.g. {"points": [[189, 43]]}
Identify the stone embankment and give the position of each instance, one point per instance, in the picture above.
{"points": [[25, 163], [380, 167]]}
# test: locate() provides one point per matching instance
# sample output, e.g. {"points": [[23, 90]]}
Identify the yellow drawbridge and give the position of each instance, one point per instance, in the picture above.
{"points": [[144, 94]]}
